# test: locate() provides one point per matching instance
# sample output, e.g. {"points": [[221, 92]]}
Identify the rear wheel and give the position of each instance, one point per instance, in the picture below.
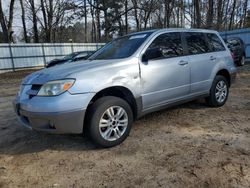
{"points": [[110, 121], [218, 92], [242, 61]]}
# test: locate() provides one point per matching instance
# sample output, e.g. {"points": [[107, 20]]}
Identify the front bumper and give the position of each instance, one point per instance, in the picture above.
{"points": [[70, 122], [62, 114]]}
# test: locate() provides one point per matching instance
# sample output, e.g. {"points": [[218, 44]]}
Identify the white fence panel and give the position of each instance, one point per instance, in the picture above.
{"points": [[16, 56]]}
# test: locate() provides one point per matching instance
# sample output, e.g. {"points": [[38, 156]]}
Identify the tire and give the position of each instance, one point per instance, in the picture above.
{"points": [[242, 61], [220, 85], [107, 127]]}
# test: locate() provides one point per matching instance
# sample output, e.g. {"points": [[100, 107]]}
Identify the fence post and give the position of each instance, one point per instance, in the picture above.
{"points": [[71, 44], [44, 58], [72, 48], [11, 57]]}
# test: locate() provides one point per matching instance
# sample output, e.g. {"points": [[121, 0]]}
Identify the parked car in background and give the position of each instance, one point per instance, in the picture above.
{"points": [[75, 56], [129, 77], [238, 49]]}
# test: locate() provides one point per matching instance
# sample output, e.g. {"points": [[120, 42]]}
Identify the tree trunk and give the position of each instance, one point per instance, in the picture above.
{"points": [[3, 25], [106, 30], [34, 19], [44, 19], [126, 16], [197, 14], [10, 21], [219, 14], [232, 15], [210, 12], [50, 20], [23, 22], [98, 27], [136, 15], [182, 13], [244, 13], [85, 21], [93, 28]]}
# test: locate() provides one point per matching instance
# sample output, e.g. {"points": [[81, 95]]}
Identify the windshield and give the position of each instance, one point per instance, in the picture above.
{"points": [[121, 48]]}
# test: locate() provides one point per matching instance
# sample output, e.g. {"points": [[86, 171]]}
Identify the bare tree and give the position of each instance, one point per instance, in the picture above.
{"points": [[197, 13], [244, 15], [50, 18], [23, 21], [3, 25], [232, 15], [7, 24], [210, 13], [219, 14], [34, 10], [85, 21]]}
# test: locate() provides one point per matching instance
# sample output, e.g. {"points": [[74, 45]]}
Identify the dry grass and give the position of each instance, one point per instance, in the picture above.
{"points": [[187, 146]]}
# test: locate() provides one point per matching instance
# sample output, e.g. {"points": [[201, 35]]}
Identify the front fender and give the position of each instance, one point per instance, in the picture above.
{"points": [[124, 74]]}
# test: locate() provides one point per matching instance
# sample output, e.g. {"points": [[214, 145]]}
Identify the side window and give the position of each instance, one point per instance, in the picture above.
{"points": [[196, 43], [215, 42], [165, 46]]}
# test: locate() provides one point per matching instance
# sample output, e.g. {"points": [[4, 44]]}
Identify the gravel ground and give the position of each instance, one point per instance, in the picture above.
{"points": [[190, 145]]}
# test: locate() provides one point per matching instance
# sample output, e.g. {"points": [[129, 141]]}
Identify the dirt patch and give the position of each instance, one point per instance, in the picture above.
{"points": [[187, 146]]}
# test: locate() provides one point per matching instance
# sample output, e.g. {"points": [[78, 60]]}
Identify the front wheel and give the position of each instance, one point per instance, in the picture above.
{"points": [[110, 121], [218, 92]]}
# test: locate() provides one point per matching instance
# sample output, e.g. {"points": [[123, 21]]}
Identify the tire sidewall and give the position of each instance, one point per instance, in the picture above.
{"points": [[97, 110]]}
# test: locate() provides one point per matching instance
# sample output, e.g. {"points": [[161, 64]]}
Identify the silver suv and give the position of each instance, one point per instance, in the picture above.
{"points": [[126, 79]]}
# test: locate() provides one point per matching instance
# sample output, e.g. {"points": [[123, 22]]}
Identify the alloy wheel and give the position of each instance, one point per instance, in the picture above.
{"points": [[221, 91], [113, 123]]}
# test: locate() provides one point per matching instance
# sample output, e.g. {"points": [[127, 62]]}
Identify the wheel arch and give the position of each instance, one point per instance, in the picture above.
{"points": [[121, 92], [226, 74]]}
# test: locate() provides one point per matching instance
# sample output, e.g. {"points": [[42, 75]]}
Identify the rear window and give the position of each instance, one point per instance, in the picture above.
{"points": [[196, 43], [215, 42]]}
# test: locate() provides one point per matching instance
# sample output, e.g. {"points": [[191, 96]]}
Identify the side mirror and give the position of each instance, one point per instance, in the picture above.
{"points": [[144, 58], [153, 53]]}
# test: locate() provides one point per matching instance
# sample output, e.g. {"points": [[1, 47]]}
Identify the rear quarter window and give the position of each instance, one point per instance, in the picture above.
{"points": [[215, 42]]}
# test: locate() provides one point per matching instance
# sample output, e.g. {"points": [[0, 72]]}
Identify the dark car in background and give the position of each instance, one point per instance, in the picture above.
{"points": [[75, 56], [238, 49]]}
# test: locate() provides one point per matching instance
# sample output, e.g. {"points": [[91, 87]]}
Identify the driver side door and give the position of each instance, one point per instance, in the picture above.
{"points": [[165, 71]]}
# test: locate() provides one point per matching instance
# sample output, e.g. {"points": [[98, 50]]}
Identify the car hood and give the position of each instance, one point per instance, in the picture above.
{"points": [[64, 71]]}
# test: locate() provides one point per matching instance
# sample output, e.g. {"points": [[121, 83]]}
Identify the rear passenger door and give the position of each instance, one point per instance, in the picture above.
{"points": [[201, 48]]}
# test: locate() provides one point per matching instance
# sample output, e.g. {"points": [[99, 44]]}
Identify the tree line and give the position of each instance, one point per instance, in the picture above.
{"points": [[101, 20]]}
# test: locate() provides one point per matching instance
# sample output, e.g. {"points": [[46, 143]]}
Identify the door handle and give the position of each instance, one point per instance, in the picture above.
{"points": [[212, 58], [182, 62]]}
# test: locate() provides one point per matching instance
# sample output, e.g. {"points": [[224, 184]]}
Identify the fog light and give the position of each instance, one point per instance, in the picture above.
{"points": [[52, 125]]}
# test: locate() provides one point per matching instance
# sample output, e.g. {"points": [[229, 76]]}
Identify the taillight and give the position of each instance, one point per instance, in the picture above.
{"points": [[232, 55]]}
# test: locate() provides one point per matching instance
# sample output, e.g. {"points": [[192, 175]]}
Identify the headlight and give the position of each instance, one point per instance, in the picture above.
{"points": [[56, 87]]}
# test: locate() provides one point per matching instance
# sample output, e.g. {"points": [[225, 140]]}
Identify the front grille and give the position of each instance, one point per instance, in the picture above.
{"points": [[36, 87], [34, 90]]}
